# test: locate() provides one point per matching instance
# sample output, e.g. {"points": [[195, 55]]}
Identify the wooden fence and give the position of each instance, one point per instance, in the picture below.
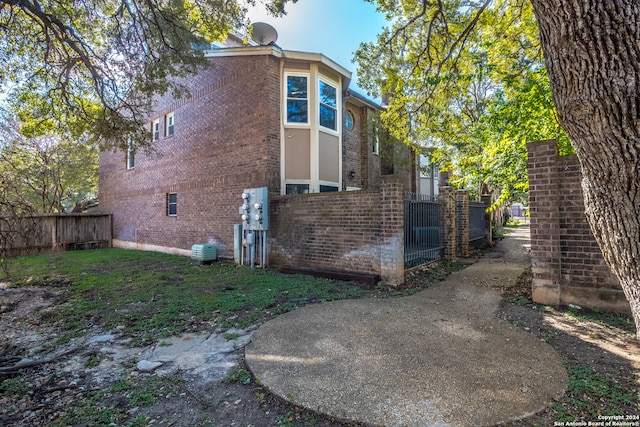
{"points": [[54, 232]]}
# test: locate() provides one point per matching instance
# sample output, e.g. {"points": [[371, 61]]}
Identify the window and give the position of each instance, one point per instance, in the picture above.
{"points": [[328, 105], [425, 166], [348, 120], [328, 188], [168, 124], [297, 188], [297, 99], [131, 154], [172, 204], [155, 129]]}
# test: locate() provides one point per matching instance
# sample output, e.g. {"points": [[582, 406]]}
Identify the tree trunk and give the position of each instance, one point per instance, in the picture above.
{"points": [[592, 53]]}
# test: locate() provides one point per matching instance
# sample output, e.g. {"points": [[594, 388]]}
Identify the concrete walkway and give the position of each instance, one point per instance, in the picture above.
{"points": [[437, 358]]}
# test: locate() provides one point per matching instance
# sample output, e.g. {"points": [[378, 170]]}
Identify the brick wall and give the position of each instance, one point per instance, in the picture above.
{"points": [[358, 232], [567, 264], [227, 138]]}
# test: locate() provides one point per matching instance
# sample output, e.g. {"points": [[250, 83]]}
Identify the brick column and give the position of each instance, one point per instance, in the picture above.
{"points": [[462, 199], [545, 221], [392, 230], [448, 196]]}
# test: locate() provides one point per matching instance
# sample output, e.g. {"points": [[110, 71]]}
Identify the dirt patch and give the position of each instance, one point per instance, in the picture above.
{"points": [[47, 381], [599, 349]]}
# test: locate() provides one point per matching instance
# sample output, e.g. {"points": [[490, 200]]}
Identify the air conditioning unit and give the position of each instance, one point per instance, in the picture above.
{"points": [[203, 253]]}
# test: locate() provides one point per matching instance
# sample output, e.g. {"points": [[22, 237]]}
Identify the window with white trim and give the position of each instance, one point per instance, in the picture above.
{"points": [[172, 204], [131, 153], [168, 124], [349, 120], [328, 105], [155, 129], [297, 99], [425, 166]]}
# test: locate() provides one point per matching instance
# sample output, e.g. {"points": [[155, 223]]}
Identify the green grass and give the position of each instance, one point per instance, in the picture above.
{"points": [[617, 320], [590, 393], [104, 407], [152, 295], [13, 386]]}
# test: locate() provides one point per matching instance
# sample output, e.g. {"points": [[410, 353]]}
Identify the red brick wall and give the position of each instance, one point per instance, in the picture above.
{"points": [[359, 232], [567, 264], [226, 139], [352, 156]]}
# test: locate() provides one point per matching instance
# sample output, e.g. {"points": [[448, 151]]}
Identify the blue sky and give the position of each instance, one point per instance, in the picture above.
{"points": [[334, 28]]}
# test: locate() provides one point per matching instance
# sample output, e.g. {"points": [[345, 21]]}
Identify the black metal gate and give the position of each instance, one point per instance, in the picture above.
{"points": [[478, 224], [423, 229]]}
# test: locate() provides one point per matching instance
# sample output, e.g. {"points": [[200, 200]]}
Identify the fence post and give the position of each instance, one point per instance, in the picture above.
{"points": [[448, 195], [54, 232], [462, 198], [392, 232], [486, 199]]}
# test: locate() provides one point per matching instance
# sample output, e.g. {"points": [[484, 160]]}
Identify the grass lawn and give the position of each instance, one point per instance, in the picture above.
{"points": [[151, 295]]}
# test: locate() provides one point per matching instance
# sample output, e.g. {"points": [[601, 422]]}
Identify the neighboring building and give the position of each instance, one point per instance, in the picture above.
{"points": [[429, 177], [258, 116]]}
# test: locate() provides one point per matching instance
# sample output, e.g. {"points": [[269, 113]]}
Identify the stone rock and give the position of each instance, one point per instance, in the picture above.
{"points": [[102, 338], [146, 366]]}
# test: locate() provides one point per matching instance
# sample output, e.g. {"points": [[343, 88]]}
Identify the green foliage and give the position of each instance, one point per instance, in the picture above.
{"points": [[96, 69], [13, 387], [239, 376], [285, 420], [589, 390], [107, 407], [45, 174], [231, 336], [469, 80]]}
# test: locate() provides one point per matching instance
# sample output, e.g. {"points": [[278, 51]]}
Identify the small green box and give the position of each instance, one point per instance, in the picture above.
{"points": [[203, 253]]}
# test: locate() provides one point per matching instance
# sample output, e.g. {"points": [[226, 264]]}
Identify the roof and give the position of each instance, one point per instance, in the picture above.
{"points": [[275, 50], [361, 100]]}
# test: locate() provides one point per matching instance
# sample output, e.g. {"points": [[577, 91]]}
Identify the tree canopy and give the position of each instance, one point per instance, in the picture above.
{"points": [[467, 78], [45, 174], [94, 67]]}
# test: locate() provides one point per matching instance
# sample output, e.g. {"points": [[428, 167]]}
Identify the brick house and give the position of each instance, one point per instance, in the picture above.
{"points": [[258, 116]]}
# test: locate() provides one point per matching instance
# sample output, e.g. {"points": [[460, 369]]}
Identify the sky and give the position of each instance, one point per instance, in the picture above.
{"points": [[334, 28]]}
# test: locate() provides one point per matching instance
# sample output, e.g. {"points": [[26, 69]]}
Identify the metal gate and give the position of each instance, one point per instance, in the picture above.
{"points": [[478, 227], [478, 224], [423, 229]]}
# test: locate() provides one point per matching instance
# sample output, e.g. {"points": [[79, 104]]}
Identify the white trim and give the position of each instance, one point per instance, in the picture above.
{"points": [[131, 155], [155, 127], [347, 114], [338, 108], [286, 54], [313, 102], [285, 97], [169, 117]]}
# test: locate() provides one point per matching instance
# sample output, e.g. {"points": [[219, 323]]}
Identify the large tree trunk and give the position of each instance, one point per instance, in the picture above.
{"points": [[592, 52]]}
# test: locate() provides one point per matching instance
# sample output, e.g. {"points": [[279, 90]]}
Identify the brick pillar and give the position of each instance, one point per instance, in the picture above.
{"points": [[486, 199], [448, 196], [462, 199], [545, 221], [392, 230]]}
